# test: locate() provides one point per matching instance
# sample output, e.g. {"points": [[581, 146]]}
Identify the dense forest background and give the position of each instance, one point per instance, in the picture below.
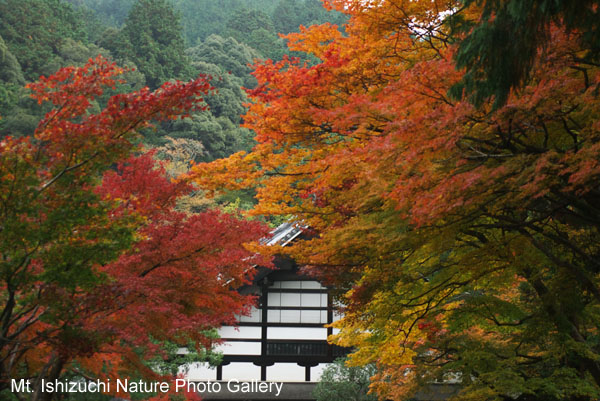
{"points": [[161, 40]]}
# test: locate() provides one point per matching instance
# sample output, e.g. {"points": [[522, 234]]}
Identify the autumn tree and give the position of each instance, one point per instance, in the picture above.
{"points": [[98, 268], [461, 237]]}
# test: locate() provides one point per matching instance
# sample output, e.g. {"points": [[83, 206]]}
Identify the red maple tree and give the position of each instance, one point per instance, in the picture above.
{"points": [[98, 266]]}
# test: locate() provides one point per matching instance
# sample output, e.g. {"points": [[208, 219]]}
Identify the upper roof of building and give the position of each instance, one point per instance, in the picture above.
{"points": [[284, 233]]}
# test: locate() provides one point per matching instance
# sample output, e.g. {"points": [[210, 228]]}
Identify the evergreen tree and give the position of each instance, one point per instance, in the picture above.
{"points": [[10, 69], [152, 39], [202, 18], [232, 56], [496, 63], [35, 29], [110, 12], [254, 28], [11, 78], [288, 15]]}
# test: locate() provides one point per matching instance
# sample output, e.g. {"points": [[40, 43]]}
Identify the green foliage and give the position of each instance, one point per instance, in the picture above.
{"points": [[176, 356], [255, 28], [218, 130], [496, 63], [34, 30], [266, 43], [71, 53], [94, 26], [7, 97], [288, 15], [342, 382], [20, 114], [41, 36], [8, 395], [110, 38], [19, 121], [109, 12], [151, 38], [151, 42], [218, 135], [245, 21], [231, 56], [236, 206], [202, 18], [11, 80], [10, 69], [228, 99]]}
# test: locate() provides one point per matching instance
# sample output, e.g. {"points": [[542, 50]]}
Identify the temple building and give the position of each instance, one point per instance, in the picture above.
{"points": [[284, 338], [282, 345]]}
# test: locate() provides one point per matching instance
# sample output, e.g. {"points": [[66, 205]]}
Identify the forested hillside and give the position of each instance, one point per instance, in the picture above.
{"points": [[162, 40]]}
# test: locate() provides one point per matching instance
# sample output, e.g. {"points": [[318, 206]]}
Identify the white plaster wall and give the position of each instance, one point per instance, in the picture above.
{"points": [[296, 333], [200, 371], [239, 348], [288, 372], [241, 371], [240, 332]]}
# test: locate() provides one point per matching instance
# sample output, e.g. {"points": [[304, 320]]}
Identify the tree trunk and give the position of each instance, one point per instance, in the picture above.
{"points": [[49, 373]]}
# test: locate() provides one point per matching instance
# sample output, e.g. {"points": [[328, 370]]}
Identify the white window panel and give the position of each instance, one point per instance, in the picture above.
{"points": [[286, 372], [310, 300], [296, 333], [274, 316], [312, 285], [239, 348], [337, 315], [241, 371], [324, 316], [276, 284], [239, 332], [291, 284], [274, 299], [323, 299], [198, 372], [311, 316], [254, 317], [290, 316], [290, 299]]}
